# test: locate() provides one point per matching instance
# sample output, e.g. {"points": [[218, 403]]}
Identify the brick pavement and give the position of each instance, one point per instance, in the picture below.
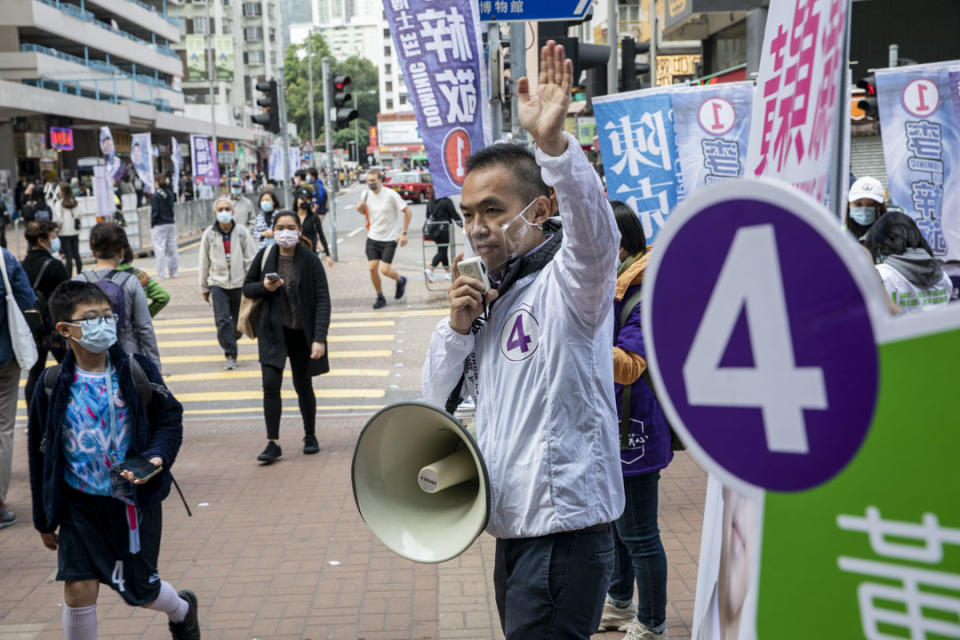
{"points": [[280, 552]]}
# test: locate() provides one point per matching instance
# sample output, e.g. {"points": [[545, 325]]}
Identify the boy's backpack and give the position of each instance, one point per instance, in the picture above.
{"points": [[42, 212], [114, 291]]}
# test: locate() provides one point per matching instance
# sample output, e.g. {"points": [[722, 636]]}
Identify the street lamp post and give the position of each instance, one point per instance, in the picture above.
{"points": [[313, 133], [211, 73], [356, 129]]}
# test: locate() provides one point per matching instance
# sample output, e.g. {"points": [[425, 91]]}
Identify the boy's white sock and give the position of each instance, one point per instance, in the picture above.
{"points": [[170, 603], [80, 623]]}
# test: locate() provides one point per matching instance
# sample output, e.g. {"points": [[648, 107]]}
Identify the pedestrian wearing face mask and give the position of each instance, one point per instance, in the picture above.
{"points": [[865, 204], [134, 324], [87, 416], [383, 207], [294, 318], [226, 251], [243, 211], [44, 272], [262, 228]]}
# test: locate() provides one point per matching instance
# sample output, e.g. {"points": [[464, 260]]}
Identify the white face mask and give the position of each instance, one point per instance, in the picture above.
{"points": [[286, 238]]}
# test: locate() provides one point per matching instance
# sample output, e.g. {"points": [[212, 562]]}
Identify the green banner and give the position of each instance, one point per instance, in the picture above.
{"points": [[196, 58], [223, 49]]}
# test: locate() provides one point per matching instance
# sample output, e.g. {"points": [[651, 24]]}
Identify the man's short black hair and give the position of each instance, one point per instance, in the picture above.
{"points": [[106, 240], [300, 174], [313, 171], [520, 162], [70, 293], [632, 237]]}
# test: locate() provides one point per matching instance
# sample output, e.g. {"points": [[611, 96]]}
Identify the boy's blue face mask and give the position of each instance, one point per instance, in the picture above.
{"points": [[99, 334]]}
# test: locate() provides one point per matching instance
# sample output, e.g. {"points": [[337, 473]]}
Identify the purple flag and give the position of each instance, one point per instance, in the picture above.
{"points": [[438, 46], [203, 156]]}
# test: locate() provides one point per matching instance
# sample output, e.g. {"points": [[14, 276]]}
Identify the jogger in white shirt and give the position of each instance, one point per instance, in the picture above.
{"points": [[382, 208]]}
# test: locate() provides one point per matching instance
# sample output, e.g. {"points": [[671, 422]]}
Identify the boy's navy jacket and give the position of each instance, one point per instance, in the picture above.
{"points": [[159, 435]]}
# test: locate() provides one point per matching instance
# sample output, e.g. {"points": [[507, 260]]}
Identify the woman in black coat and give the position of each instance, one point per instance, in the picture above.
{"points": [[294, 317]]}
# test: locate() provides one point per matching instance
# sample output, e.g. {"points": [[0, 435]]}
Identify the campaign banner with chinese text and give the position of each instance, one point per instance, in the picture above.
{"points": [[196, 57], [817, 500], [639, 154], [712, 127], [439, 49], [797, 102], [206, 171], [921, 148], [141, 156]]}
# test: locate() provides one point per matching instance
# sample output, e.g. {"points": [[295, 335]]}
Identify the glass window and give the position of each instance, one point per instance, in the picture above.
{"points": [[200, 25], [389, 104]]}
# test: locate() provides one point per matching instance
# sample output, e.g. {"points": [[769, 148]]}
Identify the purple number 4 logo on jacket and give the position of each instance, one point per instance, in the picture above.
{"points": [[520, 335]]}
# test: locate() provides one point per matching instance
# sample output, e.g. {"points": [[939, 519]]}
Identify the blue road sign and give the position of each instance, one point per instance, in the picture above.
{"points": [[519, 10]]}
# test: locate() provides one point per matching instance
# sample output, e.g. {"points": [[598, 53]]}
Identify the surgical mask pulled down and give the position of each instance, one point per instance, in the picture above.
{"points": [[510, 236]]}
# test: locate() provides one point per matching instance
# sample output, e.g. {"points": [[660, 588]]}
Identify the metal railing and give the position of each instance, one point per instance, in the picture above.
{"points": [[81, 87], [87, 16], [98, 65]]}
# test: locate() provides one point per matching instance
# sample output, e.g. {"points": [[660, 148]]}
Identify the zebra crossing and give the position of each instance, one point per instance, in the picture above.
{"points": [[363, 366]]}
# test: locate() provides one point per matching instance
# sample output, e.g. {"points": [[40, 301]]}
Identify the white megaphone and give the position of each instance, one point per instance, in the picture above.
{"points": [[420, 482]]}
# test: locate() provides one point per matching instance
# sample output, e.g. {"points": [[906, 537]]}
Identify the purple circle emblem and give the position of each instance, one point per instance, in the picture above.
{"points": [[763, 343]]}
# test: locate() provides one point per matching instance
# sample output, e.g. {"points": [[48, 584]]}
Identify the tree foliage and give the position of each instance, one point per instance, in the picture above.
{"points": [[364, 86]]}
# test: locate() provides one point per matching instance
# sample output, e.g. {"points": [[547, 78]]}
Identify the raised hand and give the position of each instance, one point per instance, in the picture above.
{"points": [[543, 114]]}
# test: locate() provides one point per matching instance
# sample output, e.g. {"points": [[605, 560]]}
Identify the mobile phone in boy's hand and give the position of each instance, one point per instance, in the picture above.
{"points": [[141, 469], [272, 276]]}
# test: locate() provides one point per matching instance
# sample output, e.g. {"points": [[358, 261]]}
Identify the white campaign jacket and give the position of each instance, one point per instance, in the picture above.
{"points": [[543, 384]]}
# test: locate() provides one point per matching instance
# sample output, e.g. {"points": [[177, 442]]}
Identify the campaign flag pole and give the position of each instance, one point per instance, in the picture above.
{"points": [[496, 106], [841, 160], [331, 174]]}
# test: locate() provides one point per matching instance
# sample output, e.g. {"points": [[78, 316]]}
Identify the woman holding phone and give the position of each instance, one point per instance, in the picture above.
{"points": [[294, 317]]}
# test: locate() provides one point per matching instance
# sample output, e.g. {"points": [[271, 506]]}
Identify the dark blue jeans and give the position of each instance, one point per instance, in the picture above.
{"points": [[640, 553], [552, 586]]}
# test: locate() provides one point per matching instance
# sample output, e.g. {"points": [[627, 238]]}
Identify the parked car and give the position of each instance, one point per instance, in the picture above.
{"points": [[412, 185]]}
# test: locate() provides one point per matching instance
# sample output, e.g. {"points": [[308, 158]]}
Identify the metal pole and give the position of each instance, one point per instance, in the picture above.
{"points": [[313, 133], [893, 55], [211, 73], [496, 104], [356, 130], [840, 164], [331, 175], [518, 69], [612, 39], [281, 90], [654, 33]]}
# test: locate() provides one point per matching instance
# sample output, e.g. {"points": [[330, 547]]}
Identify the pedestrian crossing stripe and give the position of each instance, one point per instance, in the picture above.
{"points": [[360, 337], [252, 357], [359, 315], [286, 394], [372, 408], [244, 375], [209, 326], [256, 374]]}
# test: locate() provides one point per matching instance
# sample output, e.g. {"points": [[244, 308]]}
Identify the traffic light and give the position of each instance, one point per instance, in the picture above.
{"points": [[629, 69], [869, 101], [270, 118], [341, 114], [584, 56]]}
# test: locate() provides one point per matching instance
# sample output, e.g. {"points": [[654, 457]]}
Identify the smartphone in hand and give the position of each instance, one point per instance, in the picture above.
{"points": [[141, 469], [272, 276]]}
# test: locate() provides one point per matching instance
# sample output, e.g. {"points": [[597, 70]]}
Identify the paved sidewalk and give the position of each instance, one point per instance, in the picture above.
{"points": [[280, 552]]}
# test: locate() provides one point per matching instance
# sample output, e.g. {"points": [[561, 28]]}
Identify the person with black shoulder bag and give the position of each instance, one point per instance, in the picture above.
{"points": [[45, 272], [645, 449]]}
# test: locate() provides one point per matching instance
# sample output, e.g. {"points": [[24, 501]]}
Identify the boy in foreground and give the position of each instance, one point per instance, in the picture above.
{"points": [[102, 409]]}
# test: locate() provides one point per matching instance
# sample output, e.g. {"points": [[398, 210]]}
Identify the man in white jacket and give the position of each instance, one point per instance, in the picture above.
{"points": [[226, 251], [535, 354]]}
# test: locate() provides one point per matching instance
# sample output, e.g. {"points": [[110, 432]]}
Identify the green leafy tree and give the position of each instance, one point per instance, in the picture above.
{"points": [[364, 85]]}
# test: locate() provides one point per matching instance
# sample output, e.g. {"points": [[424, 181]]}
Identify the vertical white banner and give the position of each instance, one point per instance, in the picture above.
{"points": [[798, 97]]}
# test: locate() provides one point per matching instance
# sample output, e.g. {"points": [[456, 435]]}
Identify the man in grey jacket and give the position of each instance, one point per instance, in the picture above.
{"points": [[226, 251], [135, 330]]}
